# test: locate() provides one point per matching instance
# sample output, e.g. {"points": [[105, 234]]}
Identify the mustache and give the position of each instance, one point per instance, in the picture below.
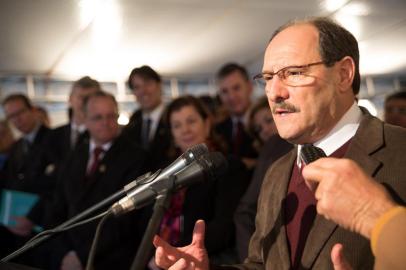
{"points": [[284, 106]]}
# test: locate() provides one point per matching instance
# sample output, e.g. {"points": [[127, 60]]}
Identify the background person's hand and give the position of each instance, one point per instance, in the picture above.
{"points": [[71, 261], [23, 226], [193, 256], [346, 195]]}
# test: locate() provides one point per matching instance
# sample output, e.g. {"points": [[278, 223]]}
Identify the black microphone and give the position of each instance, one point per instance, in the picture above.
{"points": [[181, 162], [310, 153], [206, 167]]}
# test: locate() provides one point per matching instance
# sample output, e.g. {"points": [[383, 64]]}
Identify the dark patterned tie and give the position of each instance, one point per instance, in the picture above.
{"points": [[96, 161]]}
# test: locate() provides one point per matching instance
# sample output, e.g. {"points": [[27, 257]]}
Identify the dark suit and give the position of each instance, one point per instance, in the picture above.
{"points": [[122, 163], [26, 164], [159, 143], [59, 141], [380, 150], [30, 169], [225, 130]]}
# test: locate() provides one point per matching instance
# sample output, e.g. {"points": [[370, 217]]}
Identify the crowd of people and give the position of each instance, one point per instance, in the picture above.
{"points": [[270, 210]]}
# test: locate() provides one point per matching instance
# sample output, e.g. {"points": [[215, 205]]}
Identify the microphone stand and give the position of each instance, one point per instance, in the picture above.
{"points": [[162, 203], [106, 202]]}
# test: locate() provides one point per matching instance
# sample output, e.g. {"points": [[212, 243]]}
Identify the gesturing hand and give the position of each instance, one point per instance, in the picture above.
{"points": [[346, 195], [338, 259], [193, 256]]}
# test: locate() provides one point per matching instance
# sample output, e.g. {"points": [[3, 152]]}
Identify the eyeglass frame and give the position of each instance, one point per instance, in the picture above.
{"points": [[280, 71]]}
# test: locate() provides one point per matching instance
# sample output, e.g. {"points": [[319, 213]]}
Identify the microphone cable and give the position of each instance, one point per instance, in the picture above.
{"points": [[92, 252], [54, 231]]}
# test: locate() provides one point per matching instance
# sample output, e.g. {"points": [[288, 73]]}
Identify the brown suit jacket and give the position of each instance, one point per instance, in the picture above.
{"points": [[380, 150]]}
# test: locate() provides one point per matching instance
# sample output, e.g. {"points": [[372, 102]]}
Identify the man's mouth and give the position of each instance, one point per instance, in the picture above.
{"points": [[284, 108]]}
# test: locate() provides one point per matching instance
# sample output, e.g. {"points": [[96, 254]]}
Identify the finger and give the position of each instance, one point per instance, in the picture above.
{"points": [[338, 259], [313, 172], [312, 185], [159, 242], [182, 264], [318, 194], [198, 234], [163, 259]]}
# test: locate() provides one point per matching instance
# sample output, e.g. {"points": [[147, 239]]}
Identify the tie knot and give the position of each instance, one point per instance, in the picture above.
{"points": [[310, 153], [97, 151]]}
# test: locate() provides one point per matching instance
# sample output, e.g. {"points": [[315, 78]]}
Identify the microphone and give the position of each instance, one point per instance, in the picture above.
{"points": [[181, 162], [308, 154], [208, 166]]}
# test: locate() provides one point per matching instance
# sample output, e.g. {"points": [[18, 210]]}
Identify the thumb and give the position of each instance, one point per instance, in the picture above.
{"points": [[198, 234], [338, 259]]}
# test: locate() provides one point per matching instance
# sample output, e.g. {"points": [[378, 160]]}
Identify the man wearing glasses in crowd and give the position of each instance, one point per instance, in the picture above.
{"points": [[95, 169], [311, 77]]}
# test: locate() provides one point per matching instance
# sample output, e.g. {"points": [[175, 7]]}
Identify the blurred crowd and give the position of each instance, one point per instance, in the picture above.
{"points": [[74, 166]]}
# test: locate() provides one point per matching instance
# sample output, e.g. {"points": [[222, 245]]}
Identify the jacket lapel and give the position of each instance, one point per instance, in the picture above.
{"points": [[81, 159], [366, 141]]}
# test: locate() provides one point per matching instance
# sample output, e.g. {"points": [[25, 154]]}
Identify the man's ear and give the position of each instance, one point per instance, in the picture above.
{"points": [[346, 73]]}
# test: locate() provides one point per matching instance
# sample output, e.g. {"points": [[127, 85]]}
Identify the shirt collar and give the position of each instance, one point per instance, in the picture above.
{"points": [[81, 128], [243, 119], [343, 131], [30, 137], [105, 146], [155, 114]]}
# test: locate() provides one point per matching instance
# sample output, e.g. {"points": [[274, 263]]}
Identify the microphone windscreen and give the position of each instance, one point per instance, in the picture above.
{"points": [[214, 164], [196, 151]]}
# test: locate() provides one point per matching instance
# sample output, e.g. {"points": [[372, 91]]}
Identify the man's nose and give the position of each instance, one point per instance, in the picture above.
{"points": [[276, 90]]}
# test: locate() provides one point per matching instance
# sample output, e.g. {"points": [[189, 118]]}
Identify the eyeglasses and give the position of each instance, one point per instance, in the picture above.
{"points": [[290, 75], [16, 114], [99, 117]]}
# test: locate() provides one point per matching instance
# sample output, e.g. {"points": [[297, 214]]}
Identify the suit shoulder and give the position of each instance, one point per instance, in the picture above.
{"points": [[129, 146], [225, 122], [395, 134], [61, 128], [136, 116]]}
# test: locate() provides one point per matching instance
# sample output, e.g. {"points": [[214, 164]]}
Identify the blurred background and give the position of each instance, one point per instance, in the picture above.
{"points": [[45, 45]]}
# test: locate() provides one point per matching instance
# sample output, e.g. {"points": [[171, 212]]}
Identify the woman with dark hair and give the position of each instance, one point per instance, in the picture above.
{"points": [[213, 201], [270, 147], [260, 123]]}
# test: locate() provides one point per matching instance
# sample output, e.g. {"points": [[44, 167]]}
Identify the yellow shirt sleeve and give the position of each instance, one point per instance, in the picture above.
{"points": [[380, 224]]}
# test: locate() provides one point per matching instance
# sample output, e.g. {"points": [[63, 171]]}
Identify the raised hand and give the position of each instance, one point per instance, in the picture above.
{"points": [[23, 226], [346, 195], [193, 256]]}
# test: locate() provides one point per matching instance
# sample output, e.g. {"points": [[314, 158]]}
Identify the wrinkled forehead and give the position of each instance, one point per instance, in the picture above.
{"points": [[295, 45]]}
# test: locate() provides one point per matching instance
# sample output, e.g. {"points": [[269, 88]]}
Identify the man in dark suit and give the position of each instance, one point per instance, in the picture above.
{"points": [[96, 169], [311, 77], [146, 126], [235, 89], [64, 138], [28, 165]]}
